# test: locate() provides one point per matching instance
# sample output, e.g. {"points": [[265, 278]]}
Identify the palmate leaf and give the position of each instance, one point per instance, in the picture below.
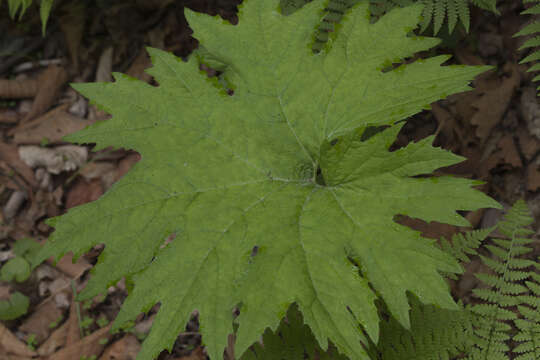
{"points": [[281, 165]]}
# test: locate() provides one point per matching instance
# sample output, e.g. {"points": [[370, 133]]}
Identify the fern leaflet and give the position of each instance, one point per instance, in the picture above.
{"points": [[435, 334], [464, 244], [532, 28], [505, 291], [291, 341]]}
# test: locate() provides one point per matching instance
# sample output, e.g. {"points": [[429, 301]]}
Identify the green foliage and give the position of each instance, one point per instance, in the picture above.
{"points": [[435, 12], [31, 342], [19, 7], [18, 268], [506, 290], [282, 167], [534, 42], [16, 306], [292, 340], [464, 244], [435, 334]]}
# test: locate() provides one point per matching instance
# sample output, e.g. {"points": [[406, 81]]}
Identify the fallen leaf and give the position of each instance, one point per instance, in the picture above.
{"points": [[126, 348], [90, 345], [50, 82], [494, 101], [533, 176], [528, 144], [141, 63], [10, 154], [509, 151], [73, 332], [51, 127], [73, 270], [54, 342], [83, 191], [38, 322], [9, 344]]}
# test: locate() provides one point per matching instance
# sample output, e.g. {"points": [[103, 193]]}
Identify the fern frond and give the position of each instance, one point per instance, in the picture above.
{"points": [[506, 292], [439, 15], [292, 340], [435, 11], [464, 244], [532, 28], [435, 334], [528, 335]]}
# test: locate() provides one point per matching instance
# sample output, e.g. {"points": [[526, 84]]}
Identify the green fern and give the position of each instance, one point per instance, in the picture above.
{"points": [[529, 326], [19, 7], [435, 334], [505, 291], [293, 340], [435, 11], [532, 28], [464, 244]]}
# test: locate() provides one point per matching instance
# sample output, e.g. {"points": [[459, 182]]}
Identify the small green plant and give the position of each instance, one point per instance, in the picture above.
{"points": [[55, 323], [17, 8], [280, 193], [532, 43], [17, 269], [31, 342], [15, 307]]}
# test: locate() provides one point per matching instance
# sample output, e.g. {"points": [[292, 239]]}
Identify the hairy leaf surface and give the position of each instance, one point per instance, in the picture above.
{"points": [[282, 165]]}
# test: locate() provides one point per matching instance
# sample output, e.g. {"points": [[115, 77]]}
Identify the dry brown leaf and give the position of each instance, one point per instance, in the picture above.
{"points": [[126, 348], [83, 191], [10, 154], [196, 354], [96, 170], [50, 82], [141, 62], [73, 270], [91, 345], [528, 144], [18, 89], [38, 322], [509, 151], [54, 342], [494, 101], [52, 126], [73, 332], [533, 176], [9, 344]]}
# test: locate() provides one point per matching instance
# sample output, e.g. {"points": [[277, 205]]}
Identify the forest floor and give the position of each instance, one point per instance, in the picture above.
{"points": [[496, 126]]}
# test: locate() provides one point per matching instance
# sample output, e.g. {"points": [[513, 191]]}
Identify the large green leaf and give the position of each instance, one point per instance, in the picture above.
{"points": [[282, 165]]}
